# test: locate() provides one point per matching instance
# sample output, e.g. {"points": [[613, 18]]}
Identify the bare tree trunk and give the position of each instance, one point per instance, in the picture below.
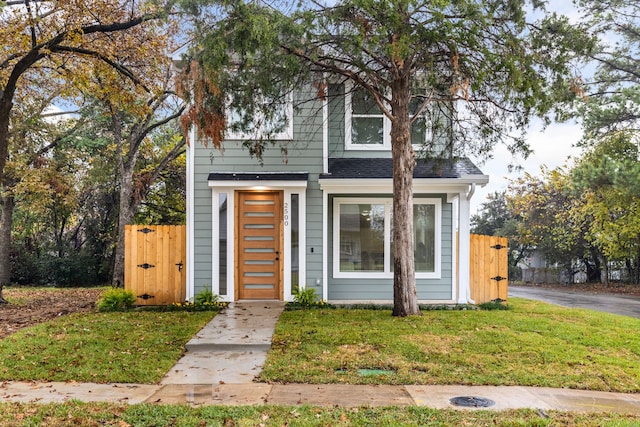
{"points": [[405, 298], [125, 217], [4, 134], [8, 205]]}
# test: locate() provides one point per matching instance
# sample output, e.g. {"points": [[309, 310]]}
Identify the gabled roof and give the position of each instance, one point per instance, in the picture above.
{"points": [[351, 168]]}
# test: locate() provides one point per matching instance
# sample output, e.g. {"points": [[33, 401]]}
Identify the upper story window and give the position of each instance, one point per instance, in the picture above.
{"points": [[367, 128], [278, 126]]}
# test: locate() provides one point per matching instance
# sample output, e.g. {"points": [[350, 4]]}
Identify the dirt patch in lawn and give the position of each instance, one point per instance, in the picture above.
{"points": [[29, 306]]}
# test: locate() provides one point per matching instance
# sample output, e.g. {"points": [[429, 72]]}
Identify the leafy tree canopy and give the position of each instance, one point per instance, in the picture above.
{"points": [[65, 40], [613, 102], [484, 57]]}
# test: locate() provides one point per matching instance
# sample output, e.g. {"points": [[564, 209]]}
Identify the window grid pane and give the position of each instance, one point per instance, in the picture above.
{"points": [[424, 217], [424, 238], [222, 242], [362, 237], [367, 130]]}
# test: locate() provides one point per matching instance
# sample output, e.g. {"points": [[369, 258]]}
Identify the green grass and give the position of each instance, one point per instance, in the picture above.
{"points": [[129, 347], [533, 344], [91, 414]]}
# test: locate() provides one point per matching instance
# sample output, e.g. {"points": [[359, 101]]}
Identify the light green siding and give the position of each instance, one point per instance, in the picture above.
{"points": [[337, 138], [302, 154], [382, 289], [337, 129]]}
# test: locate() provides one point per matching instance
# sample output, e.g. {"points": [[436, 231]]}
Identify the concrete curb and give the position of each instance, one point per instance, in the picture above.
{"points": [[342, 395]]}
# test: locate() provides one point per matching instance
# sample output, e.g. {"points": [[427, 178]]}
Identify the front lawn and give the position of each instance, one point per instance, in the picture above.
{"points": [[129, 347], [533, 344]]}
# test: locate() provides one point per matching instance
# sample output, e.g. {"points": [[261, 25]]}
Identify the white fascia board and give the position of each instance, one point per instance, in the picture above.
{"points": [[177, 56], [420, 185], [258, 184], [480, 180]]}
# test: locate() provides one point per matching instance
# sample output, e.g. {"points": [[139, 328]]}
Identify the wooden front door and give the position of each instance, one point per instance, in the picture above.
{"points": [[259, 241]]}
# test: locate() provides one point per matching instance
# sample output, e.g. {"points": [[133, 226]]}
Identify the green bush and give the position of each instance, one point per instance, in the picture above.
{"points": [[206, 297], [203, 301], [116, 299], [494, 305], [305, 296]]}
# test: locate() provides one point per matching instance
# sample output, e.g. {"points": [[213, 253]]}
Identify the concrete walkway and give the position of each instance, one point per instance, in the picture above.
{"points": [[230, 349], [223, 359]]}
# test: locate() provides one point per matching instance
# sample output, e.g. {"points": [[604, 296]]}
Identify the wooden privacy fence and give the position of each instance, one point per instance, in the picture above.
{"points": [[489, 268], [155, 259]]}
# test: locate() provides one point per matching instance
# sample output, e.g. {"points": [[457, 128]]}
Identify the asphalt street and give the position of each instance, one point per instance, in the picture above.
{"points": [[625, 305]]}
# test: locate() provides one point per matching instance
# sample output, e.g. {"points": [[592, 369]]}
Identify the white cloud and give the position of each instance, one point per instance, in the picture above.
{"points": [[552, 147]]}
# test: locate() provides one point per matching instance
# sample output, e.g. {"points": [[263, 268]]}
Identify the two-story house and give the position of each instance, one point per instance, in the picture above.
{"points": [[318, 214]]}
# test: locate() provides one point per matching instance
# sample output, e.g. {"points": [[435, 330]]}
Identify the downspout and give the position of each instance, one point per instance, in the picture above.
{"points": [[472, 190]]}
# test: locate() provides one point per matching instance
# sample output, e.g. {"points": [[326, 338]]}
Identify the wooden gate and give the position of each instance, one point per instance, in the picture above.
{"points": [[489, 268], [155, 258]]}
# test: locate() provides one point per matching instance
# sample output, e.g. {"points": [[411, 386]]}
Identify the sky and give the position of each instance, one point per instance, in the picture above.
{"points": [[552, 147]]}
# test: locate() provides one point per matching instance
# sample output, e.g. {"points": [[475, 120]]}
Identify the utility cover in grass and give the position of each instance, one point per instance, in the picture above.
{"points": [[368, 372]]}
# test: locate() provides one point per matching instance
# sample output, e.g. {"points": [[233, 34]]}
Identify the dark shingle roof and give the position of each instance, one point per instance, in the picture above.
{"points": [[382, 168], [258, 176]]}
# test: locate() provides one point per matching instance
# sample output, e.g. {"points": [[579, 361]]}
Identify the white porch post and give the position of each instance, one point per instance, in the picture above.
{"points": [[190, 261], [464, 250], [455, 286], [325, 245], [302, 239]]}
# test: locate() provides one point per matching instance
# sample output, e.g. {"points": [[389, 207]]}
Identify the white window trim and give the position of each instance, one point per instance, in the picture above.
{"points": [[230, 188], [387, 273], [348, 117], [386, 126], [286, 134]]}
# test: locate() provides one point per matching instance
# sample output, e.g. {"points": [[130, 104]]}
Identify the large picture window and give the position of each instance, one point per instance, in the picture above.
{"points": [[363, 238], [366, 127]]}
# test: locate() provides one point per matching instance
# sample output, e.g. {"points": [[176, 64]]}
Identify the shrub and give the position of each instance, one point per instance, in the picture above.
{"points": [[494, 305], [305, 296], [203, 301], [206, 297], [116, 299]]}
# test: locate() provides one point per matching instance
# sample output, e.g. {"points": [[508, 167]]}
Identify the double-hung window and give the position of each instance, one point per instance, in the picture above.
{"points": [[363, 237], [367, 128], [278, 126]]}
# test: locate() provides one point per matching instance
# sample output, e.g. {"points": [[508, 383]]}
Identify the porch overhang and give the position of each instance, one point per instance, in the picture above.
{"points": [[258, 180], [375, 175], [457, 178]]}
